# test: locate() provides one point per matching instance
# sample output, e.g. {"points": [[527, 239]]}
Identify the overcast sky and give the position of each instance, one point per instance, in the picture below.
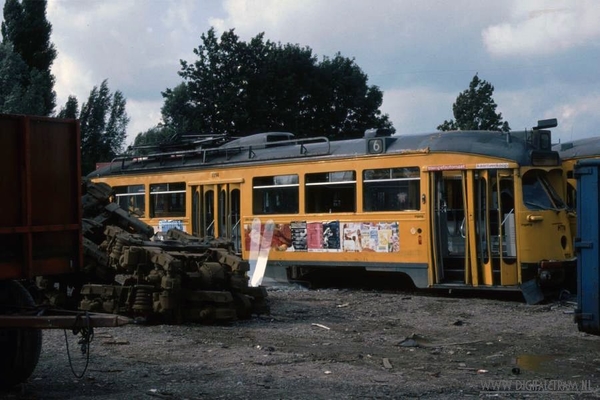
{"points": [[543, 57]]}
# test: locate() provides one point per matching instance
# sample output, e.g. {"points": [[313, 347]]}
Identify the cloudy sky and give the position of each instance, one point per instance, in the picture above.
{"points": [[543, 57]]}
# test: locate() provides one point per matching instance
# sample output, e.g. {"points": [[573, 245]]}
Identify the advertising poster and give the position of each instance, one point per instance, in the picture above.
{"points": [[331, 236], [368, 236], [384, 237], [314, 236], [352, 236], [387, 235], [299, 235], [282, 238]]}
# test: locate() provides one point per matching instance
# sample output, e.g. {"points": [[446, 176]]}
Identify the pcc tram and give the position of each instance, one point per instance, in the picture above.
{"points": [[570, 153], [462, 209]]}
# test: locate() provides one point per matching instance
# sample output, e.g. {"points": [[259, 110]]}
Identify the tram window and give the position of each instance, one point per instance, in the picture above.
{"points": [[131, 198], [167, 200], [275, 194], [328, 192], [391, 189], [538, 193]]}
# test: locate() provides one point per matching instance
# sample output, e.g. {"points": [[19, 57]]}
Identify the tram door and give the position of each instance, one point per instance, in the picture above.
{"points": [[473, 227], [216, 211], [228, 212], [450, 229], [203, 210]]}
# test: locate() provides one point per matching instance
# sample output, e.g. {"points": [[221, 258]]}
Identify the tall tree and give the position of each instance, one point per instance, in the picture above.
{"points": [[152, 138], [475, 109], [17, 96], [13, 24], [241, 88], [13, 74], [177, 109], [27, 30], [70, 109], [103, 126]]}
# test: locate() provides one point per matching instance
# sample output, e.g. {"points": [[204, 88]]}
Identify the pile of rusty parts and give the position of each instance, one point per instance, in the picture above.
{"points": [[179, 279]]}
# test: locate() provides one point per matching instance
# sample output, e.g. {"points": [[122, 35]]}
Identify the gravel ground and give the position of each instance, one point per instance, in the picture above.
{"points": [[336, 344]]}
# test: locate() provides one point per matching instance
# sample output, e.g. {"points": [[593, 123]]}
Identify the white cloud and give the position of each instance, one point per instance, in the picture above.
{"points": [[576, 112], [135, 44], [417, 109], [355, 27], [577, 118], [143, 115], [71, 80], [544, 27], [422, 54]]}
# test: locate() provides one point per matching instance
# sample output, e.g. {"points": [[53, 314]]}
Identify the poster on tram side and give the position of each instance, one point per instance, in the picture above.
{"points": [[299, 235], [314, 236]]}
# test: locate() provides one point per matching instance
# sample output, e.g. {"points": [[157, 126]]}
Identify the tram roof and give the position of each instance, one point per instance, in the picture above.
{"points": [[509, 146], [580, 148]]}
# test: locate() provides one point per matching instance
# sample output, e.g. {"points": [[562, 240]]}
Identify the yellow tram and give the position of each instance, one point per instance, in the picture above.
{"points": [[462, 209], [570, 153]]}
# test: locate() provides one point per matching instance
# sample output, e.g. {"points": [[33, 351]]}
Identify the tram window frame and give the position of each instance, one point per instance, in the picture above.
{"points": [[131, 198], [538, 192], [276, 194], [330, 192], [172, 198], [391, 189]]}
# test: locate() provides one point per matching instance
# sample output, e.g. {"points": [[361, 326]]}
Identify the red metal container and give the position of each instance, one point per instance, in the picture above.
{"points": [[40, 196]]}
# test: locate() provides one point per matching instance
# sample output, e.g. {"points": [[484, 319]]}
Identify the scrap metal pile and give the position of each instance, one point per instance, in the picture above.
{"points": [[179, 279]]}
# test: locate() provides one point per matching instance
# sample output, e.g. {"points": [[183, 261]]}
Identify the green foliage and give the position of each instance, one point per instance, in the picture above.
{"points": [[27, 31], [103, 126], [13, 72], [240, 88], [13, 24], [177, 109], [17, 96], [71, 109], [153, 137], [475, 109]]}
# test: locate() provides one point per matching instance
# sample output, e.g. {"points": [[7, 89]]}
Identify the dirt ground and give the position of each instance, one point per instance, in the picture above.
{"points": [[337, 344]]}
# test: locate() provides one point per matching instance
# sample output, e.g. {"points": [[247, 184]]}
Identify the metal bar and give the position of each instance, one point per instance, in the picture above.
{"points": [[62, 321]]}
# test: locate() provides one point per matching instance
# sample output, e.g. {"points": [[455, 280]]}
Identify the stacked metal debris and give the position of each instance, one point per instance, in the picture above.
{"points": [[176, 280]]}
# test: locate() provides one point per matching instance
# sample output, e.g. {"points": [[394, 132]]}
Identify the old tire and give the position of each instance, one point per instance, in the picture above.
{"points": [[20, 348]]}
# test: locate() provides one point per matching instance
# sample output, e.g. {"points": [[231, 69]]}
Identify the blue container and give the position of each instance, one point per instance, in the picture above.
{"points": [[587, 244]]}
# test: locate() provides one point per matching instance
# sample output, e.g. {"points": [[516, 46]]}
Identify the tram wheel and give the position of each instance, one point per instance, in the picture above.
{"points": [[20, 348]]}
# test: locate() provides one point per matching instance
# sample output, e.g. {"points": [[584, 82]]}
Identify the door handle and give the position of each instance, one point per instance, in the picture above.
{"points": [[534, 218]]}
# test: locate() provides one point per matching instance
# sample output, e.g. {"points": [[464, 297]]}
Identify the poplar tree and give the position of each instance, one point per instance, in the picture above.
{"points": [[70, 109], [104, 122], [27, 31]]}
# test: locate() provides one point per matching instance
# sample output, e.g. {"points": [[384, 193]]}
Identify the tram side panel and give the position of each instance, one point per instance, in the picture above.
{"points": [[344, 213], [587, 243]]}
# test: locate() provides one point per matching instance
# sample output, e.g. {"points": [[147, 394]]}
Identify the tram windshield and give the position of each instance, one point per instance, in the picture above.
{"points": [[538, 193]]}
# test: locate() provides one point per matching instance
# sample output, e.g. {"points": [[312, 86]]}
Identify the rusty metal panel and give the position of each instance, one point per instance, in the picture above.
{"points": [[11, 164], [40, 187]]}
